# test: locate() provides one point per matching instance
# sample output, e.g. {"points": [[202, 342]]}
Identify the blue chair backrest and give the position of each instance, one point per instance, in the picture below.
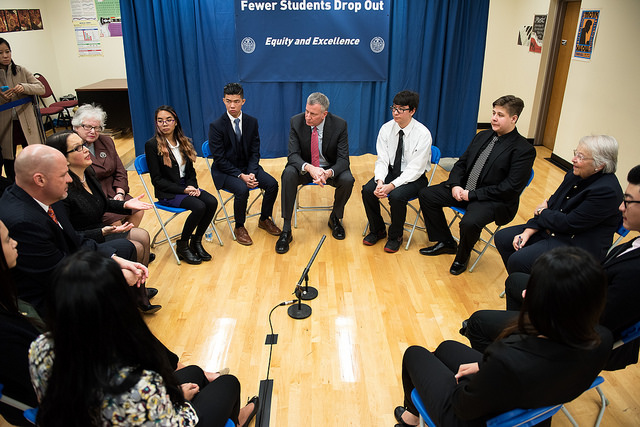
{"points": [[622, 231], [206, 151], [140, 164], [530, 178], [435, 155], [629, 334]]}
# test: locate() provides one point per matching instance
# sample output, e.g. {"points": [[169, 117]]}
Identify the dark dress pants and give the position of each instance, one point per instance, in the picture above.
{"points": [[478, 214], [522, 260], [241, 193], [217, 400], [432, 374], [398, 199], [291, 178]]}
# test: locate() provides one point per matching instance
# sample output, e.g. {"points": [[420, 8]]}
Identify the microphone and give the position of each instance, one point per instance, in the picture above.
{"points": [[287, 302]]}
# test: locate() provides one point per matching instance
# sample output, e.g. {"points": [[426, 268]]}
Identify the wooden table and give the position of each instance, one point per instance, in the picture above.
{"points": [[113, 96]]}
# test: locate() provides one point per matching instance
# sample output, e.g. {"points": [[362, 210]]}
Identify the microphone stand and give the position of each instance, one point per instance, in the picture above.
{"points": [[299, 310]]}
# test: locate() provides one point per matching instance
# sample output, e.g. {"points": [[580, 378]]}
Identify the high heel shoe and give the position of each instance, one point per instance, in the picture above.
{"points": [[256, 403], [149, 308]]}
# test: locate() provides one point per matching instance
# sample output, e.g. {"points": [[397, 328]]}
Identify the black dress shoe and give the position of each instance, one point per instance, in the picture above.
{"points": [[440, 248], [151, 292], [152, 257], [256, 403], [398, 414], [185, 253], [458, 267], [337, 230], [149, 308], [282, 244]]}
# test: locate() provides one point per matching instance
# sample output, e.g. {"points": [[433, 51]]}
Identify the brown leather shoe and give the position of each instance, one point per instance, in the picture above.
{"points": [[242, 236], [269, 226]]}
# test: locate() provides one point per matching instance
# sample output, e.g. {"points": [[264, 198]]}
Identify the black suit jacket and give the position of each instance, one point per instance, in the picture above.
{"points": [[42, 244], [227, 160], [623, 299], [586, 216], [166, 180], [335, 143], [504, 175]]}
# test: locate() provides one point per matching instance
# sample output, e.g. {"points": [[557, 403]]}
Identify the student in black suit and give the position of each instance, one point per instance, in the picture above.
{"points": [[235, 146], [33, 212], [622, 268], [583, 211], [486, 181], [170, 158], [532, 365], [326, 162]]}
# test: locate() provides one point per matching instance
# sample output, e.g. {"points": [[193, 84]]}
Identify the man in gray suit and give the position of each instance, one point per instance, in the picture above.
{"points": [[318, 153]]}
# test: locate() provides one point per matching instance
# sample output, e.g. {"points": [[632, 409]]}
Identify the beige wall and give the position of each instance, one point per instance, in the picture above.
{"points": [[53, 53], [509, 68]]}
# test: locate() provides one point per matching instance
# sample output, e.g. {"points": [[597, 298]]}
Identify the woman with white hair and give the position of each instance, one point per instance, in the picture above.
{"points": [[88, 122], [583, 211]]}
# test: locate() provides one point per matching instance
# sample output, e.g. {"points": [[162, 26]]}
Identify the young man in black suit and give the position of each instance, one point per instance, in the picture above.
{"points": [[235, 146], [319, 153], [622, 269], [486, 181]]}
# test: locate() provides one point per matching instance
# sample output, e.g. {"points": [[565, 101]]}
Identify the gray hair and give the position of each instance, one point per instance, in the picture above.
{"points": [[604, 150], [89, 111], [319, 98]]}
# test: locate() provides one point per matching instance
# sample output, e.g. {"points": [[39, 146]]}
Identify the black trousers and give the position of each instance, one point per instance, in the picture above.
{"points": [[241, 192], [217, 401], [478, 214], [522, 260], [202, 208], [291, 178], [432, 374], [398, 199]]}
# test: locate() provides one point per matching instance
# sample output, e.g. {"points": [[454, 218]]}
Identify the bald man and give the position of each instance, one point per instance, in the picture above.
{"points": [[36, 219]]}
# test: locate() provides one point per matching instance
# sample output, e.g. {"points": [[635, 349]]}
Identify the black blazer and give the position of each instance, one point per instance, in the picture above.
{"points": [[43, 244], [586, 216], [623, 297], [222, 142], [166, 180], [335, 143], [503, 177]]}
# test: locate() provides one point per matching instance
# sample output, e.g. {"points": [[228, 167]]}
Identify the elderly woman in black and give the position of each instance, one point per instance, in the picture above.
{"points": [[170, 157], [583, 211]]}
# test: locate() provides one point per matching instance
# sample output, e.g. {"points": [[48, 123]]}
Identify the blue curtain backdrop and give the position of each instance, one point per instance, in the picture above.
{"points": [[181, 53]]}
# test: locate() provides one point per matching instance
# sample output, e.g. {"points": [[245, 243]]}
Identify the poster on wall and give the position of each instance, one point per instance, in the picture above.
{"points": [[85, 25], [305, 41], [108, 15], [20, 20], [537, 33], [587, 30], [524, 35]]}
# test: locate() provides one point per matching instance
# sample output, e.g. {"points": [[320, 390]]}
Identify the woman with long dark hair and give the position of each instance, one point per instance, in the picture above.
{"points": [[19, 124], [550, 356], [19, 325], [170, 157], [101, 365]]}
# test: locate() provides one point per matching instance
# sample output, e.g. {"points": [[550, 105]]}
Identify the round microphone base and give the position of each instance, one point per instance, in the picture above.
{"points": [[301, 312], [308, 293]]}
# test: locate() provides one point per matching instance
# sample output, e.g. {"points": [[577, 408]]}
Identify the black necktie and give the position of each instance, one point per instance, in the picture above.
{"points": [[397, 162], [474, 175]]}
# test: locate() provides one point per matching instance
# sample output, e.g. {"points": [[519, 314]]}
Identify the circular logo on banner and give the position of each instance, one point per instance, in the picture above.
{"points": [[248, 45], [377, 44]]}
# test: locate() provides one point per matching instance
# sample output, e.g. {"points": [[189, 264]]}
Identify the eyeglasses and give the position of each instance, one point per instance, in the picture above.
{"points": [[165, 121], [398, 109], [629, 202], [78, 148], [94, 128], [580, 156]]}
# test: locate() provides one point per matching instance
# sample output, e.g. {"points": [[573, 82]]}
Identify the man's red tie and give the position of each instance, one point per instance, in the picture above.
{"points": [[52, 214], [315, 152]]}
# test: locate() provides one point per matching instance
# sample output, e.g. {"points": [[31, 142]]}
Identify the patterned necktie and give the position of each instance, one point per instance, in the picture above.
{"points": [[236, 129], [397, 161], [479, 164], [52, 214], [315, 151]]}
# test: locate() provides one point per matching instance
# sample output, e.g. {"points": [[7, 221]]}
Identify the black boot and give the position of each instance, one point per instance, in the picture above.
{"points": [[183, 251], [196, 247]]}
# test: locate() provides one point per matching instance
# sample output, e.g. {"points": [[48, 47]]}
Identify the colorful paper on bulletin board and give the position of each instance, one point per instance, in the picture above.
{"points": [[87, 38], [587, 30], [537, 33], [108, 12]]}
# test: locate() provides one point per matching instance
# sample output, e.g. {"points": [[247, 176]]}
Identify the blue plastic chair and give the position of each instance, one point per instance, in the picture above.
{"points": [[28, 411], [459, 213], [517, 417], [142, 168], [230, 423], [411, 227], [206, 152], [622, 233]]}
